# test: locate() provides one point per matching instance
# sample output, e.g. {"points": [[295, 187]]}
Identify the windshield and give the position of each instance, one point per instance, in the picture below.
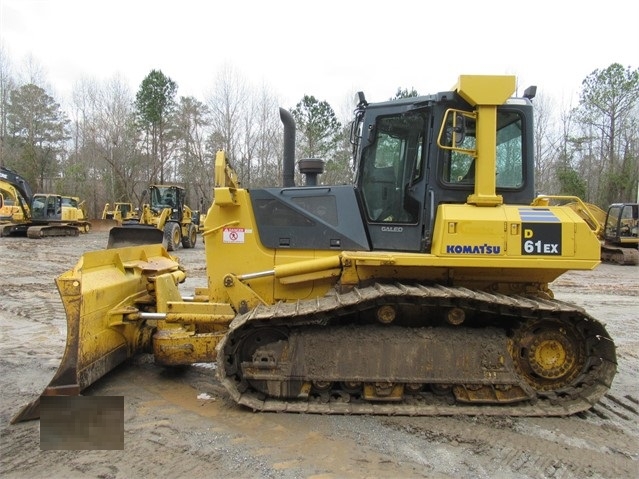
{"points": [[163, 197]]}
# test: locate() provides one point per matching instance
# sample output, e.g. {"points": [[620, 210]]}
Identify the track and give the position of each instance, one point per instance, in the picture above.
{"points": [[523, 356], [628, 256]]}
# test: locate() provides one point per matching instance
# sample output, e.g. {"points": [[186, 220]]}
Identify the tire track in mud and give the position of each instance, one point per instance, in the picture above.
{"points": [[32, 322], [526, 448], [32, 301], [163, 457]]}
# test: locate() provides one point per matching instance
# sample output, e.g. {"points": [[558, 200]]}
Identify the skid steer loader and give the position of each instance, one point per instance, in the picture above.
{"points": [[420, 289]]}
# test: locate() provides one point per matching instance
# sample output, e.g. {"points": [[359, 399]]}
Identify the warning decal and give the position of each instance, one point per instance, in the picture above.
{"points": [[233, 235]]}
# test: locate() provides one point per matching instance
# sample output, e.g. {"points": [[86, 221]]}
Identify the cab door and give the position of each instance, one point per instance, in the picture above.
{"points": [[392, 182]]}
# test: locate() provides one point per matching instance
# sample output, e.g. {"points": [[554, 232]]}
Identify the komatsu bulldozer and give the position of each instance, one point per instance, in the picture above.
{"points": [[420, 289]]}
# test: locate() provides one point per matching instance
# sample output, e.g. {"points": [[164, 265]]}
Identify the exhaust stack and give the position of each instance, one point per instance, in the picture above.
{"points": [[288, 164]]}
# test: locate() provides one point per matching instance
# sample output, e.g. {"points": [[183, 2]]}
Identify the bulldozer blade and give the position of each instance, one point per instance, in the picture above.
{"points": [[103, 225], [100, 296], [135, 235]]}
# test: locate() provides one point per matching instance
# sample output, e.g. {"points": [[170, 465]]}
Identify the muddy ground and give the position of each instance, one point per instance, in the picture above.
{"points": [[170, 432]]}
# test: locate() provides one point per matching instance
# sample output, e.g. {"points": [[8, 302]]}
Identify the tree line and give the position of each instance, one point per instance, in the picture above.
{"points": [[110, 143]]}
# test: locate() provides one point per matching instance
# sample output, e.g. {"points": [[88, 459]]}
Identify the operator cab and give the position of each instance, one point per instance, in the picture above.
{"points": [[168, 197], [46, 207], [416, 153], [410, 155]]}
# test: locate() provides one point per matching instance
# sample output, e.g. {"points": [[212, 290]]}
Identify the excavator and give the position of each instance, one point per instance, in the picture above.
{"points": [[617, 229], [420, 289], [10, 207], [620, 243], [15, 191], [42, 214]]}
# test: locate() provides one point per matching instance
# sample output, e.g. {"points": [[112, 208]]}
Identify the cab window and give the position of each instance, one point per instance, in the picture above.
{"points": [[391, 164], [459, 164]]}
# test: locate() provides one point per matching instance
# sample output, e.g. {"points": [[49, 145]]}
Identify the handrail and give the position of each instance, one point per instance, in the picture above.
{"points": [[590, 219]]}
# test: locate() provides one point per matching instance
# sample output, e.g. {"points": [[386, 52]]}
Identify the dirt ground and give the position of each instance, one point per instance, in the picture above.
{"points": [[182, 424]]}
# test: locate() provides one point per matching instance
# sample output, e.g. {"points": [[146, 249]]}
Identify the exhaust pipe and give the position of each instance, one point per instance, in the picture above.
{"points": [[288, 164]]}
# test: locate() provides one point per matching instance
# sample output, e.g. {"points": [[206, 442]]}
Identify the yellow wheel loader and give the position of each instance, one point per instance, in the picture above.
{"points": [[420, 289], [165, 219]]}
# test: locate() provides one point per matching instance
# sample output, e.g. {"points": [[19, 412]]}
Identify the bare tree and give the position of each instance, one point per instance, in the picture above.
{"points": [[227, 104], [268, 146], [546, 144], [105, 144], [195, 166], [7, 83]]}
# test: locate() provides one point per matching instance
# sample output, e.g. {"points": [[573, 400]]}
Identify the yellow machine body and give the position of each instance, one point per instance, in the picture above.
{"points": [[11, 209], [46, 215], [119, 212]]}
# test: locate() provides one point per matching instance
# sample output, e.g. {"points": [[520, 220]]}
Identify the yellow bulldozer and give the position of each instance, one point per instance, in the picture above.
{"points": [[120, 212], [41, 214], [419, 289]]}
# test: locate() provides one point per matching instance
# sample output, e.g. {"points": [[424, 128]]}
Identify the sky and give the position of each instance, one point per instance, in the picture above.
{"points": [[329, 49]]}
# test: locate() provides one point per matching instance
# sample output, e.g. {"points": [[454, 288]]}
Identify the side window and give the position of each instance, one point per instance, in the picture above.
{"points": [[459, 143], [380, 176], [459, 158], [509, 151]]}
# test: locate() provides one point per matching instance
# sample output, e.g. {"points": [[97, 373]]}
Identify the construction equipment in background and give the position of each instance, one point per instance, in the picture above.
{"points": [[412, 291], [17, 194], [11, 210], [114, 216], [620, 239], [121, 213], [198, 219], [166, 213], [616, 229], [42, 214]]}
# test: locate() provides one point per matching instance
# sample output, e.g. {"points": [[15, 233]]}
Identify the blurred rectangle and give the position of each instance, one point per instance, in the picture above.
{"points": [[81, 422]]}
